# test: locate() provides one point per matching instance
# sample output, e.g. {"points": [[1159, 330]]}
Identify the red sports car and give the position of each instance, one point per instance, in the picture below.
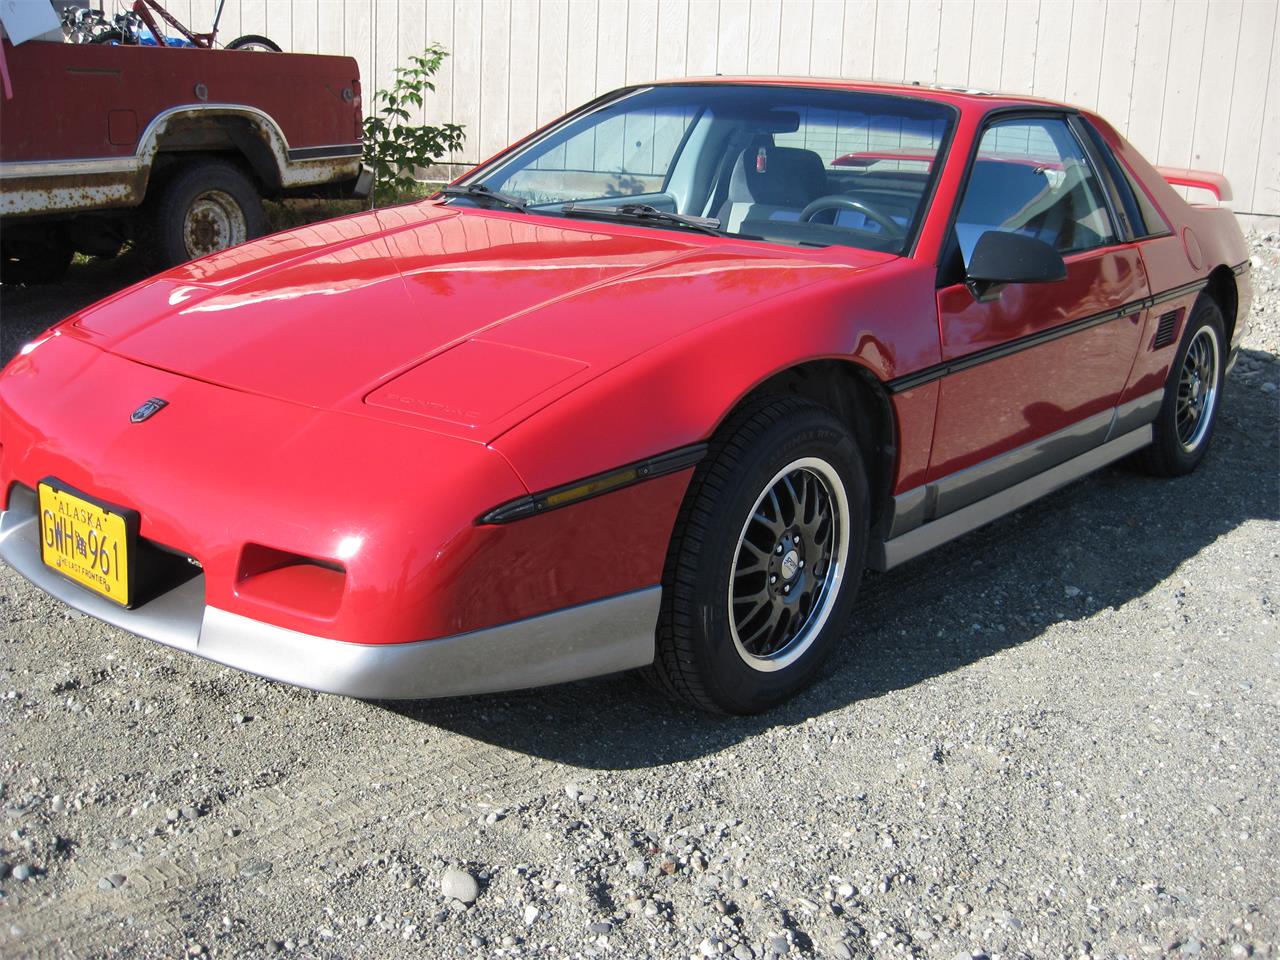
{"points": [[651, 388]]}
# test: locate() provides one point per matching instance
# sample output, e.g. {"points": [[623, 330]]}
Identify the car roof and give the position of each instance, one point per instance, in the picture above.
{"points": [[964, 98]]}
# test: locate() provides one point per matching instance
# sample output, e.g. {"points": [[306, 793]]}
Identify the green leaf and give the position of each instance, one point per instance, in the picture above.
{"points": [[394, 146]]}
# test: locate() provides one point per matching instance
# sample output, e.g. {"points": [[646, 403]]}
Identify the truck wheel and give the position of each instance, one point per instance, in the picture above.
{"points": [[35, 258], [252, 41], [203, 208]]}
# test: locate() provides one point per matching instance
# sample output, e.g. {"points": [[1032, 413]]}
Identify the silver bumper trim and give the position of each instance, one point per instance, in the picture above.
{"points": [[588, 640], [908, 546]]}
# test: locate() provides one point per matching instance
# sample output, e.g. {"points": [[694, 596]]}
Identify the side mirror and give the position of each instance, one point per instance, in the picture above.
{"points": [[999, 258]]}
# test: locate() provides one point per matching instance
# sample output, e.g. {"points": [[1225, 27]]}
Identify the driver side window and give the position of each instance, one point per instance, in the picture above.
{"points": [[1031, 177]]}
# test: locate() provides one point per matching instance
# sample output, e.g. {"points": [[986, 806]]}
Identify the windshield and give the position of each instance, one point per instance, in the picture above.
{"points": [[792, 165]]}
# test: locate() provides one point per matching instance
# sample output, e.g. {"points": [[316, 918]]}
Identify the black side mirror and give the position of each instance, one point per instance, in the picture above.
{"points": [[1000, 258]]}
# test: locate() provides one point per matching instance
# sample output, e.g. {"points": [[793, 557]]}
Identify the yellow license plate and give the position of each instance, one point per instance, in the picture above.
{"points": [[86, 541]]}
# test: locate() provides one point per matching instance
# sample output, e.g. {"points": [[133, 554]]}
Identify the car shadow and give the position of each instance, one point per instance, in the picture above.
{"points": [[1096, 544], [29, 311]]}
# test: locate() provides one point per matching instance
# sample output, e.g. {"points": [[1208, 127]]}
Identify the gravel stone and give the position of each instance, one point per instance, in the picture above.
{"points": [[992, 763], [458, 884], [112, 881]]}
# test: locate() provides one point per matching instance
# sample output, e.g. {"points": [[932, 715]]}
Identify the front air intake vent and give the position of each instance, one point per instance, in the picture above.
{"points": [[1166, 328]]}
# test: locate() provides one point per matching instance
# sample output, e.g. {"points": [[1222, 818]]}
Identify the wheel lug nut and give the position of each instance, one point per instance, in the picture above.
{"points": [[801, 564], [779, 550], [773, 578], [786, 589], [796, 538]]}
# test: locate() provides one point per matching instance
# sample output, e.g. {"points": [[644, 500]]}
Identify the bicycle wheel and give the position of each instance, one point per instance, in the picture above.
{"points": [[251, 41]]}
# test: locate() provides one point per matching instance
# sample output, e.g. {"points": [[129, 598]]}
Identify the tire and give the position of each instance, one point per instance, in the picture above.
{"points": [[252, 41], [1184, 426], [35, 259], [203, 207], [713, 652]]}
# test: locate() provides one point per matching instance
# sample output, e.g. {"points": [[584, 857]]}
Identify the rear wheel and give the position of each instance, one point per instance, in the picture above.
{"points": [[253, 41], [1193, 393], [203, 208], [114, 35], [766, 559]]}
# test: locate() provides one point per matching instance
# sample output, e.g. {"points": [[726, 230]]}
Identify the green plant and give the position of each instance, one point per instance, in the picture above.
{"points": [[394, 146]]}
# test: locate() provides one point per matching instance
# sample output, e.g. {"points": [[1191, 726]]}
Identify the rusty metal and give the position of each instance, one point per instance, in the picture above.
{"points": [[214, 221], [58, 192], [56, 159], [40, 188]]}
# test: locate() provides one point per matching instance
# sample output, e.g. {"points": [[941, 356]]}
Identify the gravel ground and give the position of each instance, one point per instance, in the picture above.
{"points": [[1053, 738]]}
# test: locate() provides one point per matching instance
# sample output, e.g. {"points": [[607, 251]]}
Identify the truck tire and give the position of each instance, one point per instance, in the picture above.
{"points": [[34, 258], [204, 207]]}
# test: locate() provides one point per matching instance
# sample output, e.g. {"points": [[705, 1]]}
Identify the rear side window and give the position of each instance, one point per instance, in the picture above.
{"points": [[1142, 214], [1031, 177]]}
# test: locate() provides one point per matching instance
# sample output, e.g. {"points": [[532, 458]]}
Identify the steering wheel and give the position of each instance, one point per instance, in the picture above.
{"points": [[840, 201]]}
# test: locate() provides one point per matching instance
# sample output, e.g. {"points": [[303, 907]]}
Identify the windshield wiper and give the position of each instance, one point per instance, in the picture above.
{"points": [[643, 212], [478, 191]]}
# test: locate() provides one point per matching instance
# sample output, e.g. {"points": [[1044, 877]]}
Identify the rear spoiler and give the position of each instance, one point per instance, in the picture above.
{"points": [[1215, 183]]}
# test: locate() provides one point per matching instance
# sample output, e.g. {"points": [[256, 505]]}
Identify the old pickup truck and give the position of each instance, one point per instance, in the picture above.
{"points": [[171, 148]]}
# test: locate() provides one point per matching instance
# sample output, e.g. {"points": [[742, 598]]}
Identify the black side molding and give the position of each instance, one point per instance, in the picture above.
{"points": [[940, 370], [562, 496]]}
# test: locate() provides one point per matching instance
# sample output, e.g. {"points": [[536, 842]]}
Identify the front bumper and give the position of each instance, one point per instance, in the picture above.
{"points": [[588, 640]]}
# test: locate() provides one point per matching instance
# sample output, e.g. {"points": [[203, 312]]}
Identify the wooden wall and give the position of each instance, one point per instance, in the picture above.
{"points": [[1190, 82]]}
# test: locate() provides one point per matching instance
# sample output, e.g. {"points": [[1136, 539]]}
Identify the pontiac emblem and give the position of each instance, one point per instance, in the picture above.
{"points": [[148, 410]]}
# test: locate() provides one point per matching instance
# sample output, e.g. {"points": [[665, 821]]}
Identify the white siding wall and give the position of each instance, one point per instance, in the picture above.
{"points": [[1191, 82]]}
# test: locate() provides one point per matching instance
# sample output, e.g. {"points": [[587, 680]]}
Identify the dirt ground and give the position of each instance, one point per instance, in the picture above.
{"points": [[1055, 737]]}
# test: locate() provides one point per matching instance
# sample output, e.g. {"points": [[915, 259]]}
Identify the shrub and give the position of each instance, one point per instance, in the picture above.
{"points": [[393, 145]]}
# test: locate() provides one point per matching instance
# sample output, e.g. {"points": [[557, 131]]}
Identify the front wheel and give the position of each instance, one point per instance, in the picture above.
{"points": [[252, 41], [1193, 393], [766, 559]]}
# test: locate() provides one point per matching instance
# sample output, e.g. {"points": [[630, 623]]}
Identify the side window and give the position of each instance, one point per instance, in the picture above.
{"points": [[1031, 177], [1142, 214], [1152, 221]]}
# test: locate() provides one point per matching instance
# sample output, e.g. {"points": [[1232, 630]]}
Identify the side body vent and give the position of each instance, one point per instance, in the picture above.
{"points": [[1166, 328]]}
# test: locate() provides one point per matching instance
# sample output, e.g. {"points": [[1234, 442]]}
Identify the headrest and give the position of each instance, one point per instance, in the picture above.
{"points": [[777, 176]]}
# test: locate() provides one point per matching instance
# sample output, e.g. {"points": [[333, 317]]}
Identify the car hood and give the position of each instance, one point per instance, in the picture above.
{"points": [[457, 321]]}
